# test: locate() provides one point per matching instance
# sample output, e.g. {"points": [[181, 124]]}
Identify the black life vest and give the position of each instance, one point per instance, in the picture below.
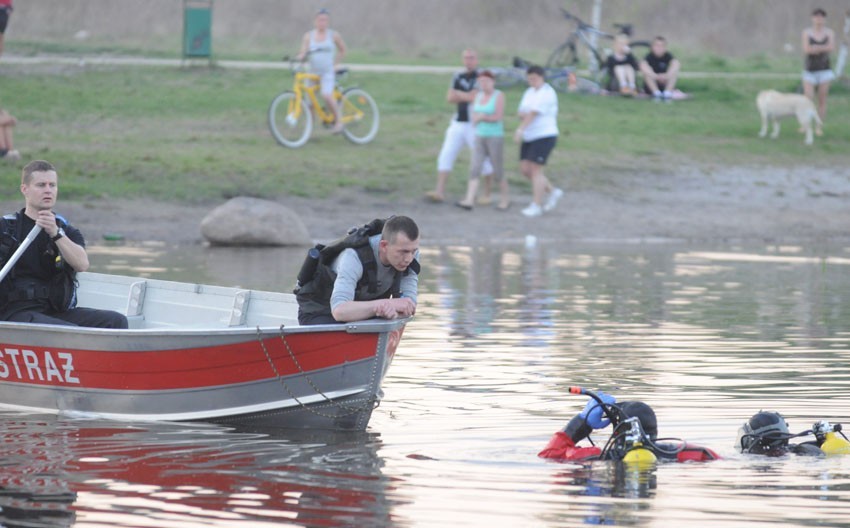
{"points": [[315, 282], [59, 291]]}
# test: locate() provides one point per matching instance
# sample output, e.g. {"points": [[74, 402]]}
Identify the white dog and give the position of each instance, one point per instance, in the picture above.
{"points": [[774, 106]]}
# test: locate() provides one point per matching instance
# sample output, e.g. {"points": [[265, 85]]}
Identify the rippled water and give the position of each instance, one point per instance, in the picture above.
{"points": [[707, 336]]}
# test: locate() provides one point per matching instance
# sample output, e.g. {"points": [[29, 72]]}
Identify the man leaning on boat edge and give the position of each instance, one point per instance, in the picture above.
{"points": [[374, 276], [41, 285]]}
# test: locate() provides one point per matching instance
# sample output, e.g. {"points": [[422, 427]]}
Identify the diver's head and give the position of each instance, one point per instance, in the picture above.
{"points": [[766, 432], [644, 414]]}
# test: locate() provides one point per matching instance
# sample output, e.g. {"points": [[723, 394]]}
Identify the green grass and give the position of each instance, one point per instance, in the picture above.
{"points": [[201, 135]]}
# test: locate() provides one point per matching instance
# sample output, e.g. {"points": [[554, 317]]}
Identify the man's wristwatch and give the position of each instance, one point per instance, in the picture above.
{"points": [[59, 234]]}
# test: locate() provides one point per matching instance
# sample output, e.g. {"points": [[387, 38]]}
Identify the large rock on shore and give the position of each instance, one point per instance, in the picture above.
{"points": [[245, 221]]}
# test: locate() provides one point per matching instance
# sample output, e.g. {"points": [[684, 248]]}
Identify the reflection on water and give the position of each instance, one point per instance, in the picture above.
{"points": [[260, 268], [59, 472], [707, 336]]}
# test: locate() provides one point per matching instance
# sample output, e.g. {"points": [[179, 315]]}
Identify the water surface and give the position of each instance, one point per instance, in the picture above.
{"points": [[706, 335]]}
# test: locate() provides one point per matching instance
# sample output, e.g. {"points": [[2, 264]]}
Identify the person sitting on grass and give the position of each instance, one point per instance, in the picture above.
{"points": [[622, 66], [660, 71]]}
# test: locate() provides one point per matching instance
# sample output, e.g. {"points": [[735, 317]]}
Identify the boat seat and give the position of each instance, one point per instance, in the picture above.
{"points": [[239, 311], [135, 304], [135, 321], [136, 298]]}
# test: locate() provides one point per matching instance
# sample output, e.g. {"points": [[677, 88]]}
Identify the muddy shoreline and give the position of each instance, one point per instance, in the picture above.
{"points": [[705, 204]]}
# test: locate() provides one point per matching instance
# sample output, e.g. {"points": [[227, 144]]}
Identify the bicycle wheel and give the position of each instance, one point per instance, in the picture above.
{"points": [[291, 126], [360, 118], [563, 56], [559, 79], [508, 77]]}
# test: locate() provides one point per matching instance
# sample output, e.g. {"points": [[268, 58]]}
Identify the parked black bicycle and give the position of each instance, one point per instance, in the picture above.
{"points": [[567, 54], [562, 79]]}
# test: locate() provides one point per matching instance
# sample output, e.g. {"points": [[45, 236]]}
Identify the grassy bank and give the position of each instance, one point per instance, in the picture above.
{"points": [[201, 135]]}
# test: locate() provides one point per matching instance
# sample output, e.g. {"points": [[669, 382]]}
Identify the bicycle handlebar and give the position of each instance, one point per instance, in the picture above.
{"points": [[625, 28], [569, 16]]}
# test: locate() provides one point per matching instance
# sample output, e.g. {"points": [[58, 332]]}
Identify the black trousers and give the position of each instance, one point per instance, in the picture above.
{"points": [[316, 319], [74, 317]]}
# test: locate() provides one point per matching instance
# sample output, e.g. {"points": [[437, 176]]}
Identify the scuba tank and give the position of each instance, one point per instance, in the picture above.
{"points": [[829, 440], [637, 455]]}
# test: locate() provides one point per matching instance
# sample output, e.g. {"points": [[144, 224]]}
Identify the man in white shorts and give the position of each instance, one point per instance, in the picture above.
{"points": [[460, 132]]}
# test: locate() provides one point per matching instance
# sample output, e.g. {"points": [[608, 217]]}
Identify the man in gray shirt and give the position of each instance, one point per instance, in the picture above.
{"points": [[389, 291]]}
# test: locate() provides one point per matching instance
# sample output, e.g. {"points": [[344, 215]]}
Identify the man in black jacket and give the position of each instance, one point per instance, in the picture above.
{"points": [[41, 287]]}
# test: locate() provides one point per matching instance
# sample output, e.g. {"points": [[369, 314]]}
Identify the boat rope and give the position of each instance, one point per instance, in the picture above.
{"points": [[373, 402]]}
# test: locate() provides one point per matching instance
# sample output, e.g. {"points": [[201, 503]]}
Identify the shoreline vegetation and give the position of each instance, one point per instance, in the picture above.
{"points": [[190, 138]]}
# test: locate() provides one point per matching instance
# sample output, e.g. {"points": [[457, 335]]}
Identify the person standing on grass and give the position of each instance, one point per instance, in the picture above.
{"points": [[818, 43], [537, 133], [5, 14], [460, 133], [326, 49], [487, 112], [660, 71]]}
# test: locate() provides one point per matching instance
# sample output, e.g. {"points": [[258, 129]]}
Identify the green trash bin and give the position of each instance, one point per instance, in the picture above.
{"points": [[197, 28]]}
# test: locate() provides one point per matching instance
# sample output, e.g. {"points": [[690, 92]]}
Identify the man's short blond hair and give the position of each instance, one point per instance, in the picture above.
{"points": [[399, 224], [35, 166]]}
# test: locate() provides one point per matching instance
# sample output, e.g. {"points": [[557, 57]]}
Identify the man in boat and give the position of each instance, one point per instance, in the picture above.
{"points": [[767, 433], [603, 410], [375, 275], [41, 286]]}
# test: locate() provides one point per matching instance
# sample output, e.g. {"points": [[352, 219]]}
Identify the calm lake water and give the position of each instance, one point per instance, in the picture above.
{"points": [[706, 335]]}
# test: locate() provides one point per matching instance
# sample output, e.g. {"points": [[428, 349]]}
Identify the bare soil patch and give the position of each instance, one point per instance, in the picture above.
{"points": [[706, 204]]}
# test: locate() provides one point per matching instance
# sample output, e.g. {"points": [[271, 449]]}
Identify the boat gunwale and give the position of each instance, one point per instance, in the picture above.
{"points": [[357, 327]]}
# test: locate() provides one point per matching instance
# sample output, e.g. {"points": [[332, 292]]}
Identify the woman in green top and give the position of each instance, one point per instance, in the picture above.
{"points": [[487, 111]]}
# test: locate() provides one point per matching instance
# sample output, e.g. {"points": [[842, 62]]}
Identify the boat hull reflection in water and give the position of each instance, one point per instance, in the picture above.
{"points": [[65, 472]]}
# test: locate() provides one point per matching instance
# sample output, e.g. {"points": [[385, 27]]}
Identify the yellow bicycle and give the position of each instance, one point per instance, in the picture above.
{"points": [[291, 112]]}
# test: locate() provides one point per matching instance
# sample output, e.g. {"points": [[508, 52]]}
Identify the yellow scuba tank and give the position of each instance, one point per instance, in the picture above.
{"points": [[830, 442], [835, 445], [637, 455], [640, 456]]}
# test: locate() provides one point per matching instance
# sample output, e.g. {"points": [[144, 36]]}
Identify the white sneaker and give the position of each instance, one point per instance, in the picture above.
{"points": [[552, 201], [533, 210], [667, 95], [12, 155]]}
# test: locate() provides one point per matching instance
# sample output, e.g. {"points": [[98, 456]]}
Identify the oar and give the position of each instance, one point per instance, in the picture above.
{"points": [[20, 251]]}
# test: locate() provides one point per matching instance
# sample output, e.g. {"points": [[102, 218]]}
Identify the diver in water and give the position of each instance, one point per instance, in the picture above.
{"points": [[766, 433], [634, 435]]}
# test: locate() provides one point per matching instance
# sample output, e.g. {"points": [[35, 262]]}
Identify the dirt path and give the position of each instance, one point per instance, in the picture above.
{"points": [[120, 61], [697, 204]]}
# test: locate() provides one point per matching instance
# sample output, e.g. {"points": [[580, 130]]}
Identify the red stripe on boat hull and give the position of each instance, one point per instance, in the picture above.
{"points": [[199, 367]]}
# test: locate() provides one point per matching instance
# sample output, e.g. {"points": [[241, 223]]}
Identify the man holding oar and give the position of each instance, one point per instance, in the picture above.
{"points": [[38, 282]]}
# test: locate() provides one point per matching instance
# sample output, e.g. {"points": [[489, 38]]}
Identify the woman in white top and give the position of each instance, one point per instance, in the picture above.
{"points": [[326, 49], [538, 133]]}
